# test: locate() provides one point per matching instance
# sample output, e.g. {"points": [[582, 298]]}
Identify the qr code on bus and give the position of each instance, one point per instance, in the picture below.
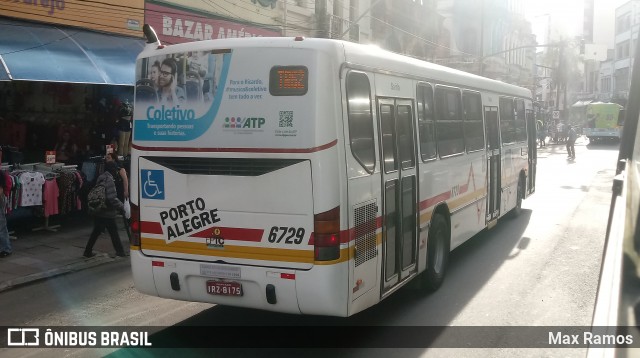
{"points": [[286, 119]]}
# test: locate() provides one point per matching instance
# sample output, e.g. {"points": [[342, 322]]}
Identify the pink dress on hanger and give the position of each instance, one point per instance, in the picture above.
{"points": [[51, 194]]}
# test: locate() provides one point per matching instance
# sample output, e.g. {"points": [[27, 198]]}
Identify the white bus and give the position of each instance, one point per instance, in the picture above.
{"points": [[314, 176]]}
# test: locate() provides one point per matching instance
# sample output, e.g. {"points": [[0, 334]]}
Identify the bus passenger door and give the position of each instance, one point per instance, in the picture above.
{"points": [[493, 162], [533, 151], [399, 186]]}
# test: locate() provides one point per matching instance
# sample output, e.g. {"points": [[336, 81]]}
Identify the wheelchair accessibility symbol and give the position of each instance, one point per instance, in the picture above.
{"points": [[152, 184]]}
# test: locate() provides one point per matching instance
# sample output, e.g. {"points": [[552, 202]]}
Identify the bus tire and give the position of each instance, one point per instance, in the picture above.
{"points": [[517, 210], [437, 254]]}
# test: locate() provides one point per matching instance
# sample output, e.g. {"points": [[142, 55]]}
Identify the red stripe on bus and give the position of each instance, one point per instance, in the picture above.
{"points": [[238, 150], [150, 227], [362, 228], [231, 233], [350, 234]]}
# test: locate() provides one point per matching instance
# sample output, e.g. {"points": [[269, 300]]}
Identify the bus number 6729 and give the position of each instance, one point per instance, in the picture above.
{"points": [[290, 235]]}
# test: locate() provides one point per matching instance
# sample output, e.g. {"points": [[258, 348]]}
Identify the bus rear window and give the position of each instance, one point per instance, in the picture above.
{"points": [[288, 80]]}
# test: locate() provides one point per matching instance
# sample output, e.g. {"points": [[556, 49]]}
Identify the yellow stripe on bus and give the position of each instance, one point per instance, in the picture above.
{"points": [[456, 203], [242, 252]]}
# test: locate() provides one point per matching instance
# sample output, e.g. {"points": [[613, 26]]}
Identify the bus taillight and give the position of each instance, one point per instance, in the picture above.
{"points": [[135, 225], [326, 235]]}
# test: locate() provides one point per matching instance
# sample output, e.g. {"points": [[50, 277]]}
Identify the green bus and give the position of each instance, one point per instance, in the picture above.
{"points": [[603, 121]]}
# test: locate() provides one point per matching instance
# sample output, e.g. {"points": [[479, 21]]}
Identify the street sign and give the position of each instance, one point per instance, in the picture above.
{"points": [[556, 114]]}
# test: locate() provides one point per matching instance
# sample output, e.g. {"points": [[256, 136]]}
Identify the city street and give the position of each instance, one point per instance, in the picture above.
{"points": [[539, 269]]}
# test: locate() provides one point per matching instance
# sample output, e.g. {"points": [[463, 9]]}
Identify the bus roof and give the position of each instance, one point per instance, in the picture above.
{"points": [[369, 56]]}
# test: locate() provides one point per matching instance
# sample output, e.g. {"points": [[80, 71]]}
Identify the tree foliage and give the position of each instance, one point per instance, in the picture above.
{"points": [[565, 59]]}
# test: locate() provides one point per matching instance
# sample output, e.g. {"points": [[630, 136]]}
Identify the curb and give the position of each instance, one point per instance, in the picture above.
{"points": [[99, 259]]}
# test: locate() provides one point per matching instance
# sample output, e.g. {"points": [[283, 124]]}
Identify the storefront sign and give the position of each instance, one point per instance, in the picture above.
{"points": [[263, 12], [50, 157], [178, 26], [115, 16]]}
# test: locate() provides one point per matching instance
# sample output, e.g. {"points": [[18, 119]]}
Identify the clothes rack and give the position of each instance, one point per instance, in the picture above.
{"points": [[46, 226], [48, 174]]}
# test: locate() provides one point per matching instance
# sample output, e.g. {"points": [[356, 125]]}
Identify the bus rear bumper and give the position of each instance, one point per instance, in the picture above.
{"points": [[269, 289]]}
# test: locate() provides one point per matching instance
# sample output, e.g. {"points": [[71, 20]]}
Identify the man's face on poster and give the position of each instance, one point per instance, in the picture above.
{"points": [[166, 77]]}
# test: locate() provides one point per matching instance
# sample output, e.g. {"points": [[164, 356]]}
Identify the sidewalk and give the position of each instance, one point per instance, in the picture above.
{"points": [[42, 254]]}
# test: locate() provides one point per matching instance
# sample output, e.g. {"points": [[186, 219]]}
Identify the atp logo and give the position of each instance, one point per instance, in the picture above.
{"points": [[244, 123]]}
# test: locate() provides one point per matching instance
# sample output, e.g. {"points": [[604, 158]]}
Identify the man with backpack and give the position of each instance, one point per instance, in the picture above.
{"points": [[104, 204]]}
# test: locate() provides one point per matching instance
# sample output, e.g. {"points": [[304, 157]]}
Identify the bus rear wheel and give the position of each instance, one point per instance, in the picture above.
{"points": [[437, 254]]}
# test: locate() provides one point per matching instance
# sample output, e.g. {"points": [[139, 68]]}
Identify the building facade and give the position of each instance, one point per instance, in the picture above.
{"points": [[491, 38], [410, 27], [627, 26]]}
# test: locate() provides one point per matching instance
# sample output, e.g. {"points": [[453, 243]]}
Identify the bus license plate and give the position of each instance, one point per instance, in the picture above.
{"points": [[224, 288]]}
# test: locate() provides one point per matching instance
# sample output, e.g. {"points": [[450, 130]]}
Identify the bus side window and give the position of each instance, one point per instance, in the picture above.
{"points": [[449, 122], [360, 119], [406, 151], [426, 122], [520, 122], [507, 120], [473, 129]]}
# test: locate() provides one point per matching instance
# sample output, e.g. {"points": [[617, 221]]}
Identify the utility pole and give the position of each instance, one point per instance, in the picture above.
{"points": [[284, 29], [560, 77], [359, 17], [322, 19], [481, 38]]}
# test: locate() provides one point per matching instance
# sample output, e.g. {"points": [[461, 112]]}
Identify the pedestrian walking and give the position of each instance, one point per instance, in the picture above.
{"points": [[571, 140], [121, 179], [542, 133], [106, 217], [122, 186], [5, 243]]}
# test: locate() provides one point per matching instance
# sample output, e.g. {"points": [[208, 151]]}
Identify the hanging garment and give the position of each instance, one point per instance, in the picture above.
{"points": [[51, 194], [67, 192], [31, 188]]}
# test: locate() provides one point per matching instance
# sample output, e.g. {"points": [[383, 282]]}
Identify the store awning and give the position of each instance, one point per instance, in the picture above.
{"points": [[39, 52]]}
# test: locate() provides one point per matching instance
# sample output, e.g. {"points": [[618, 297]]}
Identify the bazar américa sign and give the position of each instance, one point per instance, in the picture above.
{"points": [[177, 26]]}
